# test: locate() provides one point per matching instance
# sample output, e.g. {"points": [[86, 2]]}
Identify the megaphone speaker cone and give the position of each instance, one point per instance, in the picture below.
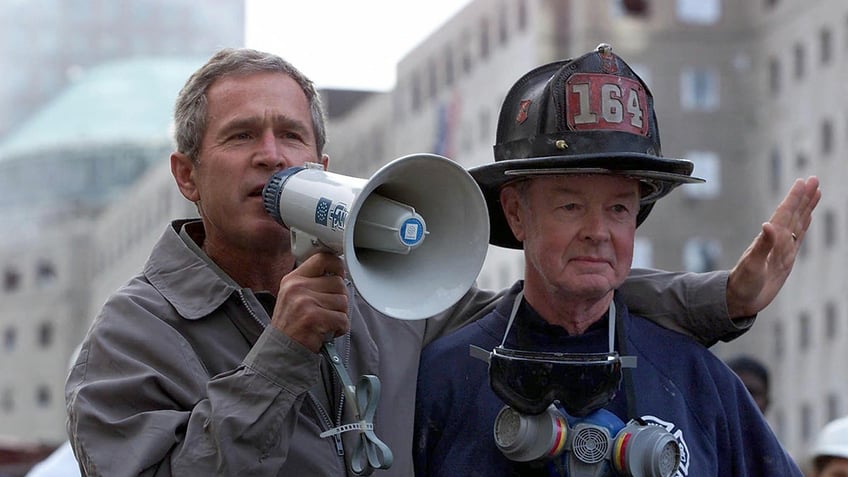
{"points": [[435, 274]]}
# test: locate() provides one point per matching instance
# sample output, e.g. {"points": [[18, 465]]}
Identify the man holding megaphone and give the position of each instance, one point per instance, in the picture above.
{"points": [[211, 362]]}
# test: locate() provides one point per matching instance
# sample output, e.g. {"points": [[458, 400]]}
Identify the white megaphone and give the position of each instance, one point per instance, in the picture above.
{"points": [[413, 236]]}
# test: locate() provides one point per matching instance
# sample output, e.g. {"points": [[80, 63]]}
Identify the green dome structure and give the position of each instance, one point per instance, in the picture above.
{"points": [[96, 138]]}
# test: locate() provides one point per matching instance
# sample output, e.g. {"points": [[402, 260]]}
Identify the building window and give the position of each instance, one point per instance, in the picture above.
{"points": [[701, 12], [825, 46], [522, 15], [774, 75], [799, 58], [804, 332], [484, 38], [10, 338], [829, 229], [45, 334], [831, 320], [11, 279], [466, 53], [432, 79], [42, 396], [826, 132], [699, 89], [45, 274], [801, 160], [701, 255], [708, 167], [503, 26]]}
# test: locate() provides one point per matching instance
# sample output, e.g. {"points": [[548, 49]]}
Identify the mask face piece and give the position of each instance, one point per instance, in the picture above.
{"points": [[531, 381]]}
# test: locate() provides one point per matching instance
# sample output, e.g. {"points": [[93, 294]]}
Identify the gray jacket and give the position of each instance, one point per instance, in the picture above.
{"points": [[179, 374]]}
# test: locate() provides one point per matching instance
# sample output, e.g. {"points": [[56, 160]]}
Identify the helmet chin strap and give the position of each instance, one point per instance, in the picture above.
{"points": [[517, 303]]}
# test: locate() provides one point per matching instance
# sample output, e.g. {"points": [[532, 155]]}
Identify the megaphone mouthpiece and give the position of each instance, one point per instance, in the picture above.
{"points": [[272, 190]]}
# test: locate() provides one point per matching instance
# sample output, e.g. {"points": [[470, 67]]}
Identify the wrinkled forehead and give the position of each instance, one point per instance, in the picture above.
{"points": [[610, 184]]}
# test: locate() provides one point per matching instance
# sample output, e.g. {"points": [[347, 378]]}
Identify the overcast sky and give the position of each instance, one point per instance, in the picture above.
{"points": [[345, 43]]}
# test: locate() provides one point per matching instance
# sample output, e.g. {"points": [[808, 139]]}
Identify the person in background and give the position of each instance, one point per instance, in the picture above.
{"points": [[562, 379], [208, 361], [755, 377], [829, 456]]}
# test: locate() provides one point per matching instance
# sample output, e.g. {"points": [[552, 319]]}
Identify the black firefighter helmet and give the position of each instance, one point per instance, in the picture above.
{"points": [[590, 115]]}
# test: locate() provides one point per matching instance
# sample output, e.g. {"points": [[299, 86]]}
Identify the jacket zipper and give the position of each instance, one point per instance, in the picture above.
{"points": [[250, 310], [325, 417], [328, 423]]}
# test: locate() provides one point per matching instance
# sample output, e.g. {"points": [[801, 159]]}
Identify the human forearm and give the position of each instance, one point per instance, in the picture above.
{"points": [[691, 303]]}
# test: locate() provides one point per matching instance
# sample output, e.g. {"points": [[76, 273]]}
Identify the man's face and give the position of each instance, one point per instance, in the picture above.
{"points": [[836, 467], [257, 124], [577, 231]]}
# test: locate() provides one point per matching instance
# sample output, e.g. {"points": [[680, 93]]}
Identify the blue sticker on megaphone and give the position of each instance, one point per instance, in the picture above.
{"points": [[411, 231]]}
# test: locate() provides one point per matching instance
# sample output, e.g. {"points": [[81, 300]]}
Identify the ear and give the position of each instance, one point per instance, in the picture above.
{"points": [[182, 168], [325, 161], [511, 204]]}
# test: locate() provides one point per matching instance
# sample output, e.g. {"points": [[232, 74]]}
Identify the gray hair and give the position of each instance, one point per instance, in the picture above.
{"points": [[190, 110]]}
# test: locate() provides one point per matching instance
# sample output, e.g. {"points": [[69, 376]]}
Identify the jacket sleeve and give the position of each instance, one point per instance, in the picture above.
{"points": [[694, 304], [475, 304], [140, 402]]}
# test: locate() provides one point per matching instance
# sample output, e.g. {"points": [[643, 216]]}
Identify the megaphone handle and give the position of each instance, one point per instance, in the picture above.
{"points": [[370, 453], [304, 245]]}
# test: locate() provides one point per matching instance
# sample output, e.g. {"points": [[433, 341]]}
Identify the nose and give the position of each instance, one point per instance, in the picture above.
{"points": [[594, 227], [269, 153]]}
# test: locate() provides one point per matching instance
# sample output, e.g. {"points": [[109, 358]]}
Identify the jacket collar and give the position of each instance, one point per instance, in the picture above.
{"points": [[184, 275]]}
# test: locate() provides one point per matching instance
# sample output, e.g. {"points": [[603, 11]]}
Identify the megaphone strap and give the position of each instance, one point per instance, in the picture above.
{"points": [[356, 426], [370, 452]]}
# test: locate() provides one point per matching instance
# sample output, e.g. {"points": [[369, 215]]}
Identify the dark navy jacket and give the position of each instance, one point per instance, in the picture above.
{"points": [[677, 383]]}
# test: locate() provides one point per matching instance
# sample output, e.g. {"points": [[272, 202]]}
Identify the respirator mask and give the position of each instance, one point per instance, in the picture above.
{"points": [[554, 417], [596, 445]]}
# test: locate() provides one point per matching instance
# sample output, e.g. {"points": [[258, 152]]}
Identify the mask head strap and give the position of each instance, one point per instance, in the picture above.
{"points": [[517, 304]]}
